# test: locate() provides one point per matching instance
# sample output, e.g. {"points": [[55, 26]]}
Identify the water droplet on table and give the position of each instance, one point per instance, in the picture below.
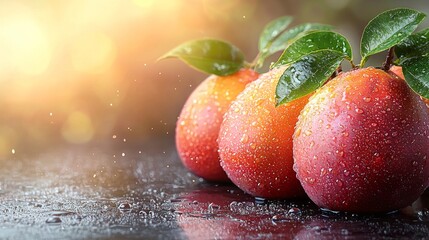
{"points": [[53, 220]]}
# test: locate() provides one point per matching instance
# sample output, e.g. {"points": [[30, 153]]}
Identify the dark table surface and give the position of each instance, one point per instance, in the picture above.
{"points": [[145, 192]]}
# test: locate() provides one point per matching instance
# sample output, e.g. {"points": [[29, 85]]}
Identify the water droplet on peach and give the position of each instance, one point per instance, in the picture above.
{"points": [[307, 133], [367, 99], [340, 153], [346, 173], [322, 172], [244, 138], [310, 180]]}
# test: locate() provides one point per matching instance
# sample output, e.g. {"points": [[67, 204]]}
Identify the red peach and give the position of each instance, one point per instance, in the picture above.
{"points": [[199, 122], [362, 143], [255, 140]]}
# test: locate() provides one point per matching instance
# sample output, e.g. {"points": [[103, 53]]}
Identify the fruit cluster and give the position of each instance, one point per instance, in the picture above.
{"points": [[351, 141]]}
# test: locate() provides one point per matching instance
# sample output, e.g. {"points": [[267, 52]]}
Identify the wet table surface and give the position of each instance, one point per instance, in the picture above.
{"points": [[145, 192]]}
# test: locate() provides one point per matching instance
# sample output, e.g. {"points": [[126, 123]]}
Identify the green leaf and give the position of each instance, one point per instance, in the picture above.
{"points": [[315, 41], [307, 74], [209, 56], [416, 73], [414, 46], [272, 30], [286, 38], [388, 29], [289, 36]]}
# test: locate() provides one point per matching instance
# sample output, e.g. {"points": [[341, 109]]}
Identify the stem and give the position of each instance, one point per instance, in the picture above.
{"points": [[353, 64], [389, 59], [362, 62]]}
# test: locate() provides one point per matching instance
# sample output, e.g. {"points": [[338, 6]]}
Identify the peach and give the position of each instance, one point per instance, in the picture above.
{"points": [[199, 122], [255, 140], [362, 143]]}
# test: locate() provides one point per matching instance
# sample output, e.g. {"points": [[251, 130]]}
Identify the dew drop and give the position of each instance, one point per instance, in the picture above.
{"points": [[367, 99], [244, 138], [333, 114], [310, 180], [233, 206], [53, 220], [322, 172], [298, 132], [423, 215], [213, 208], [358, 110], [346, 173], [293, 214], [124, 207], [294, 211], [340, 153], [278, 218], [143, 214], [344, 231]]}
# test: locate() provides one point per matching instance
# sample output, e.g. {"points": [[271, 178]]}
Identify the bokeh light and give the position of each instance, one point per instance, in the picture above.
{"points": [[78, 128], [23, 44], [93, 53]]}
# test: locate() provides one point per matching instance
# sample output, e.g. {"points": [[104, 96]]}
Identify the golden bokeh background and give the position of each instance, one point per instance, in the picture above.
{"points": [[85, 72]]}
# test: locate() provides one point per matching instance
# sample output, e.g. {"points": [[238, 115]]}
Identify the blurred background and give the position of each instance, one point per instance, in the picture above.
{"points": [[85, 73]]}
